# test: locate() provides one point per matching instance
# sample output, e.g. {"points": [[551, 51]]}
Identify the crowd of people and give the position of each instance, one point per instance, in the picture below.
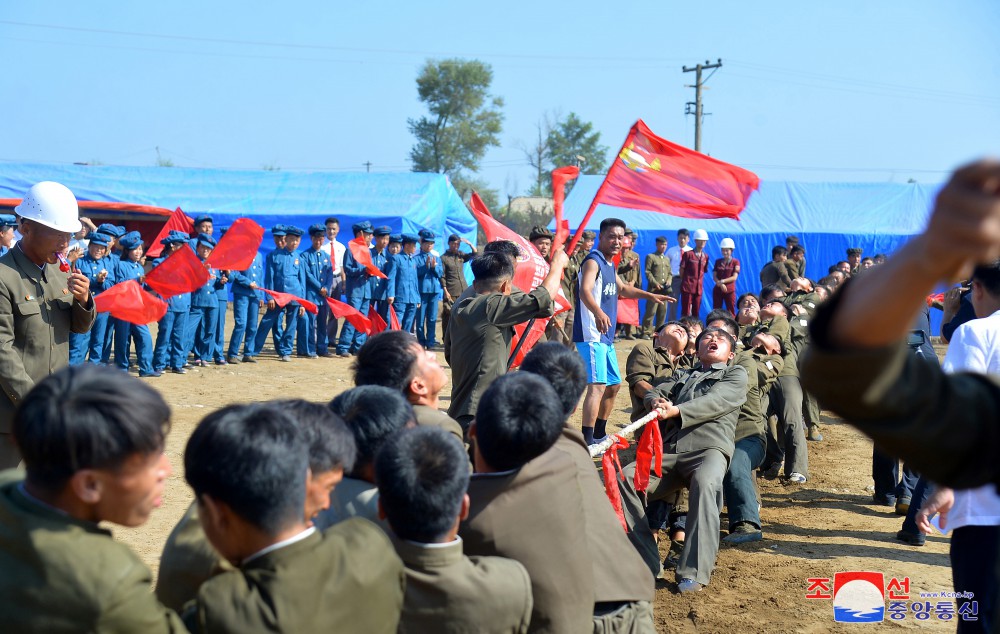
{"points": [[487, 517]]}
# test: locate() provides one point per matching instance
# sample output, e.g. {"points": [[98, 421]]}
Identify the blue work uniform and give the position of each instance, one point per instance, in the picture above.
{"points": [[430, 295], [359, 296], [92, 342], [222, 297], [113, 258], [199, 335], [170, 349], [404, 288], [246, 307], [129, 270], [380, 286], [284, 273], [318, 274]]}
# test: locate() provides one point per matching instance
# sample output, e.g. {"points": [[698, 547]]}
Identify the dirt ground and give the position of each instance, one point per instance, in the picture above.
{"points": [[826, 526]]}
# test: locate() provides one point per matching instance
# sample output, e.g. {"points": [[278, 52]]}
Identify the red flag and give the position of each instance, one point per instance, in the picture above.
{"points": [[283, 299], [628, 311], [236, 249], [182, 272], [560, 177], [393, 319], [127, 301], [351, 314], [359, 249], [935, 300], [653, 174], [612, 469], [648, 453], [536, 332], [378, 324], [176, 222]]}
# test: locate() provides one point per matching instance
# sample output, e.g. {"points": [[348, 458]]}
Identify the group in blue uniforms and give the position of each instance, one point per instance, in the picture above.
{"points": [[113, 233], [99, 267], [247, 302], [170, 351], [130, 268], [380, 258], [319, 278], [430, 273], [358, 291], [285, 273], [7, 224], [403, 285], [199, 335]]}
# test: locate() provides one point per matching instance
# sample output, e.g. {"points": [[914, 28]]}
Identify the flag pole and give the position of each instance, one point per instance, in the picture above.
{"points": [[587, 216]]}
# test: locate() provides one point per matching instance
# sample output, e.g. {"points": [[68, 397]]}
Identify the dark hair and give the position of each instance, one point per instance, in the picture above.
{"points": [[740, 299], [252, 458], [775, 300], [504, 247], [388, 359], [690, 320], [797, 249], [683, 232], [609, 223], [829, 280], [988, 276], [778, 251], [730, 338], [87, 417], [670, 323], [830, 269], [843, 262], [332, 219], [661, 240], [726, 318], [373, 413], [562, 367], [868, 259], [490, 269], [767, 293], [422, 475], [329, 441], [791, 240], [519, 418]]}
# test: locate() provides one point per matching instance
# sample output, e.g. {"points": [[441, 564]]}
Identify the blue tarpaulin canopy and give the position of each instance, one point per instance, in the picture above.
{"points": [[828, 218], [406, 202]]}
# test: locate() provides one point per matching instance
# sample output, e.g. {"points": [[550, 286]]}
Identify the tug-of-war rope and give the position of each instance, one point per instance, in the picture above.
{"points": [[648, 455]]}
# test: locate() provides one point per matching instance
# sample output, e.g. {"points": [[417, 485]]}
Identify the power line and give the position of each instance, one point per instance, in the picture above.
{"points": [[699, 112]]}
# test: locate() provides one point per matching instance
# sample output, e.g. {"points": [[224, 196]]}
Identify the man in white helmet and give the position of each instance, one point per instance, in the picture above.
{"points": [[39, 303]]}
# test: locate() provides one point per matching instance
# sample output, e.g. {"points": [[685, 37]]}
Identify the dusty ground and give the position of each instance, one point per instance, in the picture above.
{"points": [[826, 526]]}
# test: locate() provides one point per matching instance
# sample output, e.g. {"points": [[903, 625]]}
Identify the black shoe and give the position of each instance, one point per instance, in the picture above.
{"points": [[178, 370], [881, 500], [233, 360], [328, 355], [743, 533], [221, 362], [249, 359], [902, 506], [911, 539], [153, 374]]}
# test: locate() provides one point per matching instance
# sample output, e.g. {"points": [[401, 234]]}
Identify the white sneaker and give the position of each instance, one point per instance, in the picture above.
{"points": [[796, 478]]}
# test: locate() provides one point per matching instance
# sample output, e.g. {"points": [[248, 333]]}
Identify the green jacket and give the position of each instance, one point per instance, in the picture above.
{"points": [[188, 561], [62, 575], [652, 365], [657, 269], [346, 578]]}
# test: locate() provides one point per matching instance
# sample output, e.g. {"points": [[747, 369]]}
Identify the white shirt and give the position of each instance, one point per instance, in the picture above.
{"points": [[674, 253], [338, 255], [273, 547], [975, 347]]}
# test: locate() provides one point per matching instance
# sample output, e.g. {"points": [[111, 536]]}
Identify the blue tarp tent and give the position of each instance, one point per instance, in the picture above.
{"points": [[406, 201], [828, 218]]}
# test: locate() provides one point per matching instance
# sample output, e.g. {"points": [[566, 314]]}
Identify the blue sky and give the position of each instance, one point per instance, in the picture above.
{"points": [[835, 91]]}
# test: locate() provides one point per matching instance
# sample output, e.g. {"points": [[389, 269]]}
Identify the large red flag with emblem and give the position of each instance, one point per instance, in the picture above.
{"points": [[182, 272], [127, 301], [359, 249], [236, 249], [176, 222]]}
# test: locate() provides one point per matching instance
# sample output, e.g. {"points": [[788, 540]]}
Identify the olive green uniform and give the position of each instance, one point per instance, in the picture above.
{"points": [[188, 560], [651, 365], [775, 273], [658, 278], [452, 281]]}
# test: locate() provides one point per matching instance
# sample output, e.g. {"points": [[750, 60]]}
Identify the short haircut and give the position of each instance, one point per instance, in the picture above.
{"points": [[661, 240], [519, 418], [788, 313], [332, 219], [670, 323], [988, 276], [730, 338], [831, 269], [868, 259], [681, 233], [609, 223], [769, 291], [253, 458], [328, 440], [422, 476], [690, 320], [373, 413], [388, 359], [797, 249], [778, 251], [491, 269], [740, 299], [504, 247], [87, 417], [829, 281], [725, 317], [843, 262], [791, 240], [562, 367]]}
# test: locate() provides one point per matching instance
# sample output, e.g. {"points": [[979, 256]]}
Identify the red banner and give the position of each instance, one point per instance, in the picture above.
{"points": [[612, 469], [182, 272], [560, 177], [648, 454], [127, 301], [359, 249], [378, 324], [284, 299], [176, 222], [628, 311], [236, 249], [393, 319], [340, 310]]}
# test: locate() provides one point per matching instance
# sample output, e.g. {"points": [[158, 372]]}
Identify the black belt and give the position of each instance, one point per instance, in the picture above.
{"points": [[602, 608]]}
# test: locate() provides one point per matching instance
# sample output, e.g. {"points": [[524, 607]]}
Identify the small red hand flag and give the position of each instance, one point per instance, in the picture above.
{"points": [[182, 272], [341, 310], [359, 249], [236, 249], [283, 299], [127, 301], [176, 222]]}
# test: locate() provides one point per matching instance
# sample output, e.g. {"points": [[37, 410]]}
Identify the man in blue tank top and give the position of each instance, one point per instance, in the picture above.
{"points": [[594, 328]]}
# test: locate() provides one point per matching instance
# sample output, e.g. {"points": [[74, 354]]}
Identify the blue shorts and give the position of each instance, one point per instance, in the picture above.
{"points": [[600, 361]]}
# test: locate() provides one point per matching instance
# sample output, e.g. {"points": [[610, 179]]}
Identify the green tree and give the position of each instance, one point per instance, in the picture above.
{"points": [[465, 120], [572, 141]]}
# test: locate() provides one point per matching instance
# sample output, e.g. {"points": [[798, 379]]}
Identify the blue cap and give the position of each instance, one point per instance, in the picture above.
{"points": [[131, 240], [365, 227], [279, 230], [207, 240], [381, 231], [100, 239], [317, 229], [8, 220], [409, 237], [202, 218], [292, 231], [121, 230], [426, 235], [108, 230], [175, 237], [395, 238]]}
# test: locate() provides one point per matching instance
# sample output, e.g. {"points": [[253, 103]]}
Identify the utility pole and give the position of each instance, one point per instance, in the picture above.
{"points": [[368, 166], [698, 109]]}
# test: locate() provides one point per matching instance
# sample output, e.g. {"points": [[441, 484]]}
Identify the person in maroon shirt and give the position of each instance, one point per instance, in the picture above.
{"points": [[694, 265], [727, 269]]}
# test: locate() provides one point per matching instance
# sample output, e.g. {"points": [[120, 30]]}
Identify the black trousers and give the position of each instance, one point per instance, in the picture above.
{"points": [[974, 552]]}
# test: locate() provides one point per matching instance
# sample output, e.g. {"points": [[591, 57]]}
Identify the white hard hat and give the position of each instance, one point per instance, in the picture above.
{"points": [[52, 205], [727, 243], [700, 234]]}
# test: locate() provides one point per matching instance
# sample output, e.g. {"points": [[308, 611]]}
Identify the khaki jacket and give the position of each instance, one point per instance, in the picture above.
{"points": [[188, 560], [37, 313], [652, 365], [430, 417], [657, 272]]}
